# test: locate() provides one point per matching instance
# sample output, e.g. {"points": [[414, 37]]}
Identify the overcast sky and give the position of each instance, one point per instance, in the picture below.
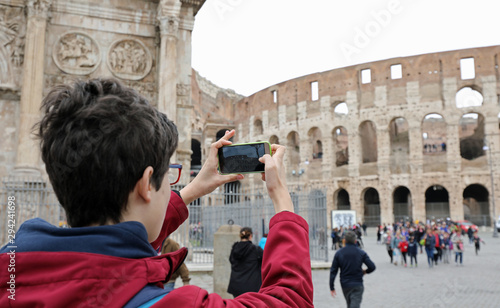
{"points": [[249, 45]]}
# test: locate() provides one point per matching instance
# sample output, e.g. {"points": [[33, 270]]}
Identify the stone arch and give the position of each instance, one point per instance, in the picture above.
{"points": [[220, 133], [400, 145], [316, 143], [293, 146], [342, 200], [437, 202], [196, 155], [471, 134], [434, 133], [434, 142], [402, 204], [371, 208], [368, 137], [477, 205], [274, 139], [469, 96], [340, 109], [258, 129], [340, 146]]}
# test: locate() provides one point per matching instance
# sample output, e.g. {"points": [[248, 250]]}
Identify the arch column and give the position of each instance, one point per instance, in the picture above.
{"points": [[328, 157], [383, 151], [453, 148], [418, 200], [386, 204], [455, 198], [354, 150], [493, 154], [28, 155], [184, 106], [416, 146]]}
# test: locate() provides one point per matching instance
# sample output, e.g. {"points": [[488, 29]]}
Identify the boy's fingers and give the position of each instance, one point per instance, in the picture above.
{"points": [[222, 142]]}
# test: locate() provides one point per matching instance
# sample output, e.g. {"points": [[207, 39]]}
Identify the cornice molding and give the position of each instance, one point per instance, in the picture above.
{"points": [[196, 4], [117, 14]]}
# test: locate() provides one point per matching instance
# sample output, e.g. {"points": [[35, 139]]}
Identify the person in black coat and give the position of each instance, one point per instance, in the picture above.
{"points": [[246, 263]]}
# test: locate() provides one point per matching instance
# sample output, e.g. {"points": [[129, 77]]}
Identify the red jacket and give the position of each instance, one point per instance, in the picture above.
{"points": [[81, 279], [403, 246]]}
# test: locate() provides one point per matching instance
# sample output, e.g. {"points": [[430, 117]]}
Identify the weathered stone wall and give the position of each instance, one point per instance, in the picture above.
{"points": [[213, 110], [145, 44], [428, 85]]}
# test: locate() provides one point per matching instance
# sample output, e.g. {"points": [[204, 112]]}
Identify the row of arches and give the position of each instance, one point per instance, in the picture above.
{"points": [[434, 139], [475, 203]]}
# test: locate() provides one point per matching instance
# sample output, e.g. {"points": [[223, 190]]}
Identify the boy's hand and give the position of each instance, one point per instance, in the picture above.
{"points": [[275, 178], [209, 178]]}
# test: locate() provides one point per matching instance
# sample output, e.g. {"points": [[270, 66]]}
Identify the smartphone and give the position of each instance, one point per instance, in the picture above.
{"points": [[243, 157]]}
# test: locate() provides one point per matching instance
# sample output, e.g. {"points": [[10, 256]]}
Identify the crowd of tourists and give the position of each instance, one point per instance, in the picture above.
{"points": [[338, 235], [440, 240]]}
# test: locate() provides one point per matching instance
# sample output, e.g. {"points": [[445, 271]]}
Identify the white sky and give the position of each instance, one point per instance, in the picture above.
{"points": [[249, 45]]}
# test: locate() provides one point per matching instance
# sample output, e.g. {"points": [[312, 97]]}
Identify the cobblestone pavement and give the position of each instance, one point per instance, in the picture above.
{"points": [[475, 284]]}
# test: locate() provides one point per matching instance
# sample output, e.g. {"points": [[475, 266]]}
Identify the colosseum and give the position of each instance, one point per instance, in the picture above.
{"points": [[405, 138]]}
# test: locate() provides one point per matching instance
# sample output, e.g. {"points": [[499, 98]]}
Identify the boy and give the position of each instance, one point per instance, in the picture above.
{"points": [[412, 251], [477, 242], [107, 152]]}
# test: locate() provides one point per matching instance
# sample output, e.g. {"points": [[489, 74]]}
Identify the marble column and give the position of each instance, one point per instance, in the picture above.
{"points": [[167, 72], [28, 155]]}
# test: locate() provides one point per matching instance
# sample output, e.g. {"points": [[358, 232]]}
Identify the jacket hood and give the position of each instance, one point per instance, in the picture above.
{"points": [[126, 240], [241, 249]]}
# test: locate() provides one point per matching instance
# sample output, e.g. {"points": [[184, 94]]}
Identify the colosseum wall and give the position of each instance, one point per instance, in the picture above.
{"points": [[404, 137]]}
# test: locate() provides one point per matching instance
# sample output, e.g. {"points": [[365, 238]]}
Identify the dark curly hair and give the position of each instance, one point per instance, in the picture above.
{"points": [[97, 137]]}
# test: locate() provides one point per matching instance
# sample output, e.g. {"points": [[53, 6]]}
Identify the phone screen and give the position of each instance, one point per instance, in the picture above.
{"points": [[242, 158]]}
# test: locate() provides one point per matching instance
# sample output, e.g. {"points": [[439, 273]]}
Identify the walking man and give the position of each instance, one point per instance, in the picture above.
{"points": [[350, 260]]}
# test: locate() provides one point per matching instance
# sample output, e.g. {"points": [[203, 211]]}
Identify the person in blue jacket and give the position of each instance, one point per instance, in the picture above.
{"points": [[350, 260]]}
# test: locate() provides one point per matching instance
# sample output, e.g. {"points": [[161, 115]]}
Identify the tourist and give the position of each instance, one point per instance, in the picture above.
{"points": [[350, 260]]}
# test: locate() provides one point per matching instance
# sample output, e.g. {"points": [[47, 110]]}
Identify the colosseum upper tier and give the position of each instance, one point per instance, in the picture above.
{"points": [[404, 138]]}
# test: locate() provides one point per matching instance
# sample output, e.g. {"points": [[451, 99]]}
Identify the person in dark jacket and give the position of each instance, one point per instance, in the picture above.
{"points": [[412, 251], [350, 260], [430, 243], [246, 263]]}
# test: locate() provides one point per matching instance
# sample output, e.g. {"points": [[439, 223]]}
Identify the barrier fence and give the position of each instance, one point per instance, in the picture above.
{"points": [[228, 204]]}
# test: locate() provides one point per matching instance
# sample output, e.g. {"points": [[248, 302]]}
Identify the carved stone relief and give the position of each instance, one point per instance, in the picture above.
{"points": [[12, 38], [76, 53], [129, 59]]}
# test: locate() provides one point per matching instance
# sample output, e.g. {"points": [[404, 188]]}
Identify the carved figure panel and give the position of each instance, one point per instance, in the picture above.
{"points": [[76, 53], [12, 38], [129, 59]]}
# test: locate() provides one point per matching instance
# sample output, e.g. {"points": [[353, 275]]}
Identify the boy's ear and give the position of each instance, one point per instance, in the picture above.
{"points": [[144, 184]]}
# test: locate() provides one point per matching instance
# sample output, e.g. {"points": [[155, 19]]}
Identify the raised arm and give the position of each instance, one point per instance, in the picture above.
{"points": [[286, 264], [208, 179]]}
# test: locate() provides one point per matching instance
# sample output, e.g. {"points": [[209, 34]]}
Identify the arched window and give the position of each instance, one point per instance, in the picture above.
{"points": [[368, 135], [400, 145], [471, 135], [468, 97], [341, 109], [340, 146], [257, 127]]}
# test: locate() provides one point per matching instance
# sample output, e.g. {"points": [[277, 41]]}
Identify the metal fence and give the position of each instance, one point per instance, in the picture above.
{"points": [[479, 220], [232, 204], [227, 204], [437, 210], [31, 197]]}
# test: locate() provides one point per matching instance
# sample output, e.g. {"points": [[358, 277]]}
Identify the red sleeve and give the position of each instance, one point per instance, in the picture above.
{"points": [[286, 273], [177, 213]]}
